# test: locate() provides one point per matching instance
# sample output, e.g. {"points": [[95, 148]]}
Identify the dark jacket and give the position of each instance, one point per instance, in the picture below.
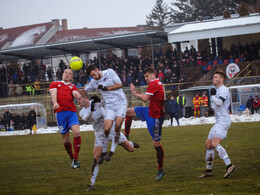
{"points": [[32, 117], [172, 106], [7, 116], [249, 103]]}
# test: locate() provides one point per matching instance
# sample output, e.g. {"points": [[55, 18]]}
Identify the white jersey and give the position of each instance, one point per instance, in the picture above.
{"points": [[221, 111], [95, 118], [113, 99]]}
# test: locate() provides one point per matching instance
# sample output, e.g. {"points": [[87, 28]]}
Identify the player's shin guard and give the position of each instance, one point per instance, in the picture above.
{"points": [[209, 158], [128, 122], [68, 147], [77, 142], [160, 156], [223, 154]]}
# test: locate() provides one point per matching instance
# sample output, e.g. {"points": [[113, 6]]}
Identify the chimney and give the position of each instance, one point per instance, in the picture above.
{"points": [[64, 24], [56, 22]]}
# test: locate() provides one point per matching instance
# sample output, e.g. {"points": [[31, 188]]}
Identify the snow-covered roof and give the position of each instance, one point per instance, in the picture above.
{"points": [[219, 28], [244, 86]]}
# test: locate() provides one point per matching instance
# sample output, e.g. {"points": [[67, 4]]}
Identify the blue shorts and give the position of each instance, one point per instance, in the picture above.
{"points": [[154, 125], [65, 120]]}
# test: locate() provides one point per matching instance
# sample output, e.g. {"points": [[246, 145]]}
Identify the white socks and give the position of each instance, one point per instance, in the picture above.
{"points": [[223, 154], [209, 158]]}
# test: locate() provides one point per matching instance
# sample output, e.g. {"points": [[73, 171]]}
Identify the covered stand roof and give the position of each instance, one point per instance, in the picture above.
{"points": [[217, 28], [130, 40]]}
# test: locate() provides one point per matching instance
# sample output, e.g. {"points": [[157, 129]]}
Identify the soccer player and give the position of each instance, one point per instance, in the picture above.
{"points": [[110, 87], [153, 115], [221, 101], [62, 96], [94, 112]]}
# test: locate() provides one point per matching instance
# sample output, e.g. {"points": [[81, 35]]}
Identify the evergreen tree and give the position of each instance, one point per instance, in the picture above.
{"points": [[160, 15], [191, 10]]}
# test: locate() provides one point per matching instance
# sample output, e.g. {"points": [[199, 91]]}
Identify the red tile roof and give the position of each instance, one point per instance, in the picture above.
{"points": [[77, 34], [16, 35]]}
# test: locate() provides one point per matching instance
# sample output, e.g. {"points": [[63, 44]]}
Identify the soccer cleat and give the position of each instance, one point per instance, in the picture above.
{"points": [[75, 164], [160, 174], [207, 173], [91, 188], [117, 136], [136, 145], [230, 169], [108, 156], [127, 137], [101, 158]]}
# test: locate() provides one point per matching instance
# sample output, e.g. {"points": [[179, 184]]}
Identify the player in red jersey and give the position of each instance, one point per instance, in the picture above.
{"points": [[62, 96], [153, 115]]}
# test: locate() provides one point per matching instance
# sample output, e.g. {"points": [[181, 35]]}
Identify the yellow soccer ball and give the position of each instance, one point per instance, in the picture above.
{"points": [[76, 63]]}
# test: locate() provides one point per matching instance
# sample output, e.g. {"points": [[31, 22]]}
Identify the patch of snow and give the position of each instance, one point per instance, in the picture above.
{"points": [[3, 37], [119, 32], [28, 37], [142, 124]]}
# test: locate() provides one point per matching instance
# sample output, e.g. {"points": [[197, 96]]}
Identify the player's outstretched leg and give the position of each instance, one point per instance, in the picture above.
{"points": [[77, 141], [68, 148], [128, 122]]}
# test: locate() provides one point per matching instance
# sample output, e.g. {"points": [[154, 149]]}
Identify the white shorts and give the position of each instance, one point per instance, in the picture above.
{"points": [[219, 130], [99, 141], [112, 113]]}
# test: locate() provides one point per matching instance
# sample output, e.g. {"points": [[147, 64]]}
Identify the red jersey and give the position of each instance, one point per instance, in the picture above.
{"points": [[157, 97], [65, 97]]}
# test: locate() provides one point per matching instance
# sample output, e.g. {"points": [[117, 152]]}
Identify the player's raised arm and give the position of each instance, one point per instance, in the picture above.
{"points": [[143, 97]]}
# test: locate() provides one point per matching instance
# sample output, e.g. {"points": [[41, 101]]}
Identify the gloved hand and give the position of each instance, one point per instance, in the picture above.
{"points": [[92, 106], [211, 112], [104, 88], [213, 91], [95, 98]]}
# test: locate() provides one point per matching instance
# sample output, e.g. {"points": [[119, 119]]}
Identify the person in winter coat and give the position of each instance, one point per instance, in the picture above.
{"points": [[7, 119], [256, 104], [249, 104], [173, 110]]}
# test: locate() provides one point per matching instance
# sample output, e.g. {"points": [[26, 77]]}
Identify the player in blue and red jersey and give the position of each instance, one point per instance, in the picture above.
{"points": [[153, 115], [62, 97]]}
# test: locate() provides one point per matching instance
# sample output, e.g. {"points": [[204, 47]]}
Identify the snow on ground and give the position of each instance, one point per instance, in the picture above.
{"points": [[140, 124]]}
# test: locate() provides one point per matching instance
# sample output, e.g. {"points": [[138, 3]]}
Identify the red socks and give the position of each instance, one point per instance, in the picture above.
{"points": [[76, 143], [160, 156], [68, 147], [128, 122]]}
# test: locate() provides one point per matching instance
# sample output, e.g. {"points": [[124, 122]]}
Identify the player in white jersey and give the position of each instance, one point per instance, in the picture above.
{"points": [[220, 103], [93, 112], [110, 86]]}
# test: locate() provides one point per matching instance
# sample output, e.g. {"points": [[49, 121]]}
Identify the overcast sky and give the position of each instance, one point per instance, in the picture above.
{"points": [[80, 13]]}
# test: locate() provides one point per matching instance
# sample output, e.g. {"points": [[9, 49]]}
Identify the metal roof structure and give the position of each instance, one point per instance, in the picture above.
{"points": [[123, 41], [218, 28]]}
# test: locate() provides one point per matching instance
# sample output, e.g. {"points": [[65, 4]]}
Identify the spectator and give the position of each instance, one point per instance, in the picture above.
{"points": [[204, 104], [181, 101], [11, 89], [7, 119], [79, 85], [161, 76], [249, 104], [37, 86], [31, 118], [140, 77], [173, 110], [256, 104], [129, 79], [42, 72], [196, 103], [58, 74], [18, 89], [50, 73]]}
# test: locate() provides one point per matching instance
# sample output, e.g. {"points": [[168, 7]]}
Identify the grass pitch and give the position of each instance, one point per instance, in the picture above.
{"points": [[38, 164]]}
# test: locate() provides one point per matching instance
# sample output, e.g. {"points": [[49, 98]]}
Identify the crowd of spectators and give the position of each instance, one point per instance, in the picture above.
{"points": [[30, 78]]}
